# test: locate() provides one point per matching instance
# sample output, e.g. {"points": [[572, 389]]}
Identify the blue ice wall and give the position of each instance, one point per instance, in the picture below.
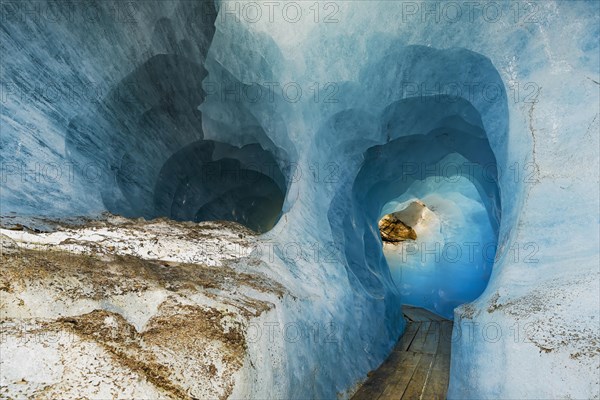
{"points": [[96, 94], [110, 121], [112, 108], [184, 104]]}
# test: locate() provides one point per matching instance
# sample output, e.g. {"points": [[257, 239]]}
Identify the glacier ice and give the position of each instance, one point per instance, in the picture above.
{"points": [[326, 126], [450, 262]]}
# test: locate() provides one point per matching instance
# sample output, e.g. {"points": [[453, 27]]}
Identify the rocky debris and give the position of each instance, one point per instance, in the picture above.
{"points": [[394, 230], [7, 245], [108, 324], [209, 242]]}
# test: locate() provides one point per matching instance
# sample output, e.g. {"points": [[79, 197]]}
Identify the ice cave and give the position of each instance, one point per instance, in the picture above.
{"points": [[205, 199]]}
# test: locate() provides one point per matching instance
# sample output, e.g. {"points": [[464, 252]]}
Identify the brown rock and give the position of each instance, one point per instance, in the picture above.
{"points": [[394, 230]]}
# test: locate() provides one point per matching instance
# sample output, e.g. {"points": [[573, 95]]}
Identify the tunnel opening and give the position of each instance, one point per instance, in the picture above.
{"points": [[436, 152], [205, 180], [437, 199], [449, 260], [398, 226], [144, 146], [209, 180]]}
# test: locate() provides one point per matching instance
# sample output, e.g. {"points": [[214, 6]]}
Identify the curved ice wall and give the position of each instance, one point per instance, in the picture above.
{"points": [[116, 114], [325, 94]]}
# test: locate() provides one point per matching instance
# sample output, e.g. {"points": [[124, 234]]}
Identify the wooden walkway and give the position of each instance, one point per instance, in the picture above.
{"points": [[418, 368]]}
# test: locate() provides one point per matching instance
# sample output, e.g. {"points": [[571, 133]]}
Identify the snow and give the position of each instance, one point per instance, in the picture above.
{"points": [[157, 240], [92, 321]]}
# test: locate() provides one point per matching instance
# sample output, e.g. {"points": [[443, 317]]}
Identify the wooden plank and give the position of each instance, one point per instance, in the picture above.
{"points": [[408, 336], [420, 314], [419, 341], [415, 314], [379, 378], [370, 390], [442, 362], [376, 382], [437, 385], [416, 386], [445, 341], [411, 312], [431, 340], [419, 365], [401, 378], [436, 317], [432, 316], [389, 366]]}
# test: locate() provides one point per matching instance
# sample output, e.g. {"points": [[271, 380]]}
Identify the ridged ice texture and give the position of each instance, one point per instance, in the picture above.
{"points": [[539, 130]]}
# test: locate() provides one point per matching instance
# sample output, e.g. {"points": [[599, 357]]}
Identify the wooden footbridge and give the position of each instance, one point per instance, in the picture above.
{"points": [[418, 368]]}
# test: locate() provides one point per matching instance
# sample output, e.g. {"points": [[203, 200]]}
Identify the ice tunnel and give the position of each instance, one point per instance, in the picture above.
{"points": [[449, 261], [149, 123], [391, 169], [429, 140]]}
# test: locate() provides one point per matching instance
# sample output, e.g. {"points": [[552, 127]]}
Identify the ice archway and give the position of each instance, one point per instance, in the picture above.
{"points": [[150, 159], [421, 136], [455, 142]]}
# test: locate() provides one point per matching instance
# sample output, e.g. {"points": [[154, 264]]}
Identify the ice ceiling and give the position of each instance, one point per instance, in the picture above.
{"points": [[308, 138]]}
